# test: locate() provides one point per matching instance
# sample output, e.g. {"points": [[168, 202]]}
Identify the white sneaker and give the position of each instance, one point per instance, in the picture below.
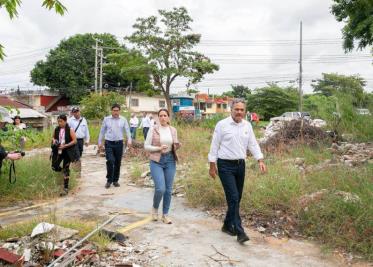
{"points": [[154, 214], [166, 219]]}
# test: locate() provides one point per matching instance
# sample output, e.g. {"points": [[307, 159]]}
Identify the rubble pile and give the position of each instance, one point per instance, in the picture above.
{"points": [[48, 242], [279, 133], [137, 151], [353, 154]]}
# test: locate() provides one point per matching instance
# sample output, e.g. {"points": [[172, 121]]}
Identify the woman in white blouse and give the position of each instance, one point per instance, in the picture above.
{"points": [[162, 144]]}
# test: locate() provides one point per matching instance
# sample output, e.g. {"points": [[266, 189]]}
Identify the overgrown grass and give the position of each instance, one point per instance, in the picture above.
{"points": [[25, 228], [35, 180], [331, 220]]}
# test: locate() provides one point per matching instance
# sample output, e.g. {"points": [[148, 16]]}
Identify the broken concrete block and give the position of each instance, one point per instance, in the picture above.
{"points": [[42, 228]]}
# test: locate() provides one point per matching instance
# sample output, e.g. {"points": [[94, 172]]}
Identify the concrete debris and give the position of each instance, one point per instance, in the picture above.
{"points": [[42, 228], [60, 233], [317, 196], [353, 155], [292, 132], [145, 174], [348, 197]]}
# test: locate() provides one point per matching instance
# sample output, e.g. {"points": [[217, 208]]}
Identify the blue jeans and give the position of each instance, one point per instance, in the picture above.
{"points": [[232, 177], [133, 132], [114, 152], [163, 173]]}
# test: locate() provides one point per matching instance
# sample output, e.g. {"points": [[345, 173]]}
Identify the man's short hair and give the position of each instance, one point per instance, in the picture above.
{"points": [[115, 106], [236, 101]]}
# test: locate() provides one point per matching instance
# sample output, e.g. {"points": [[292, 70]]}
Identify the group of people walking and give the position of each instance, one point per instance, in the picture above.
{"points": [[231, 140]]}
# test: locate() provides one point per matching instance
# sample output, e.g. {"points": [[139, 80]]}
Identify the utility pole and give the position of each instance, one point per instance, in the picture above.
{"points": [[96, 48], [101, 61], [130, 98], [300, 70]]}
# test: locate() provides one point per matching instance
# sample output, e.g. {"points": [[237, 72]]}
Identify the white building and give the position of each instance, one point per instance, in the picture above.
{"points": [[139, 103]]}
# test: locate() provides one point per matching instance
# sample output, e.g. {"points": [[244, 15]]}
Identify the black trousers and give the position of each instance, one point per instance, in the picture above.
{"points": [[232, 177], [80, 144], [145, 131], [114, 152], [65, 159]]}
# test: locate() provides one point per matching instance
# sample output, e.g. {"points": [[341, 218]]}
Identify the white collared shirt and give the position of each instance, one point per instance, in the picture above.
{"points": [[231, 140], [134, 122], [83, 131]]}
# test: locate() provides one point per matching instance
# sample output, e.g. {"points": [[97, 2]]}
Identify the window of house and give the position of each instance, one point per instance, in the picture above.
{"points": [[134, 102], [209, 105], [162, 103], [219, 105], [224, 106]]}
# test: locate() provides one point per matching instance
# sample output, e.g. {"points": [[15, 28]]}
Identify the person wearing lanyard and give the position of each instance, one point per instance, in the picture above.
{"points": [[64, 150], [232, 138], [112, 129], [80, 126]]}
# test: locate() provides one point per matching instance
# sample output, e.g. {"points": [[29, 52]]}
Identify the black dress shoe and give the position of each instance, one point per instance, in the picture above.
{"points": [[116, 184], [107, 185], [242, 238], [228, 230]]}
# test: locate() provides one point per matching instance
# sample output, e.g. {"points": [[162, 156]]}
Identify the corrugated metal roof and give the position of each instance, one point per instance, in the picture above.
{"points": [[26, 113]]}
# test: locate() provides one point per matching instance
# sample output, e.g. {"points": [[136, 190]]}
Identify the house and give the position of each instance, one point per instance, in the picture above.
{"points": [[30, 116], [140, 103], [182, 106], [44, 101], [212, 105]]}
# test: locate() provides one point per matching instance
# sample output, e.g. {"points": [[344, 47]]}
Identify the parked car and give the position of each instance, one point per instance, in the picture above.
{"points": [[288, 116]]}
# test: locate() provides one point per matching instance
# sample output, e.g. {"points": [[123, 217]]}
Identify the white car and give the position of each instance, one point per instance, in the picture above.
{"points": [[288, 116]]}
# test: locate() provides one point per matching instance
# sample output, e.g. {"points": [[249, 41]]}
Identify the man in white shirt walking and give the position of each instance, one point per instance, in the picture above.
{"points": [[80, 126], [232, 137], [134, 123], [145, 125]]}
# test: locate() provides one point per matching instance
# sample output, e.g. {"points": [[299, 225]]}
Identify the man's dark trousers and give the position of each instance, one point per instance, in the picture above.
{"points": [[114, 152], [80, 143], [232, 177], [145, 131]]}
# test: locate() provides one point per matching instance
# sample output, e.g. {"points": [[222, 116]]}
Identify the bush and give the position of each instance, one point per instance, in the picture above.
{"points": [[96, 106]]}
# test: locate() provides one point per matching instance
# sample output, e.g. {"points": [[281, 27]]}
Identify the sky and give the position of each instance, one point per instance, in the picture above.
{"points": [[253, 42]]}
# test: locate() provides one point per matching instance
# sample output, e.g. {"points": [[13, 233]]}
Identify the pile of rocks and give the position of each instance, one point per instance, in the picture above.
{"points": [[279, 133], [353, 154], [53, 241]]}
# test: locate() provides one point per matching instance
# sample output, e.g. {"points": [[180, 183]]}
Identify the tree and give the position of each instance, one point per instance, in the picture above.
{"points": [[238, 91], [96, 106], [12, 5], [167, 43], [332, 83], [272, 100], [69, 68], [358, 15]]}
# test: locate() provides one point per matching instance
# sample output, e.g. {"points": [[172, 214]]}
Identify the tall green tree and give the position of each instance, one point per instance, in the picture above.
{"points": [[358, 16], [238, 91], [332, 83], [69, 68], [272, 101], [11, 7], [167, 42]]}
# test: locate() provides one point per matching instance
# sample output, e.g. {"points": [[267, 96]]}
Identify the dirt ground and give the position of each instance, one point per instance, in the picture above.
{"points": [[194, 238]]}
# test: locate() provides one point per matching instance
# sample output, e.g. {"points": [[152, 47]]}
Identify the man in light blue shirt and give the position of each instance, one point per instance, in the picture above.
{"points": [[112, 129], [80, 126]]}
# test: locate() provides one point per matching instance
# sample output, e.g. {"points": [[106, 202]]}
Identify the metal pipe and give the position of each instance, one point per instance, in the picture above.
{"points": [[81, 241]]}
